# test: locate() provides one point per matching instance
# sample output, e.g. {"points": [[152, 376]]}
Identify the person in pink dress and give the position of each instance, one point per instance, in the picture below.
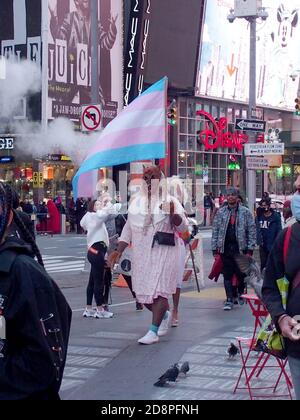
{"points": [[155, 259]]}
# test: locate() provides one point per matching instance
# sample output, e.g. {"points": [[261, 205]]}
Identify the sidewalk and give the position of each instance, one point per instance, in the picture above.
{"points": [[107, 363]]}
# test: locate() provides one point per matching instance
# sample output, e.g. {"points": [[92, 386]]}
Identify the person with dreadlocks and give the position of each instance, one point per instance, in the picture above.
{"points": [[152, 228], [35, 318]]}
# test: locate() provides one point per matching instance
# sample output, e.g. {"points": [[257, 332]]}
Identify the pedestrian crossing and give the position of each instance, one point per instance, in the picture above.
{"points": [[63, 264]]}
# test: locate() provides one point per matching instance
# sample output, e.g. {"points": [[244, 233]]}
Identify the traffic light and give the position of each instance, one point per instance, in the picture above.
{"points": [[172, 115], [297, 106]]}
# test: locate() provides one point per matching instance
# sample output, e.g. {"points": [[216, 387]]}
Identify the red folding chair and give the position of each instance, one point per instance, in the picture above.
{"points": [[247, 349]]}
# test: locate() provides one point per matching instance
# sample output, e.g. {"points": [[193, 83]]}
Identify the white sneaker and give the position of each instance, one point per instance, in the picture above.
{"points": [[164, 326], [89, 313], [103, 314], [149, 338]]}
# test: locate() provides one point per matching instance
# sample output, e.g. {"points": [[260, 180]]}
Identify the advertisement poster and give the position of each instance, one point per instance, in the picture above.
{"points": [[20, 39], [70, 57], [224, 56]]}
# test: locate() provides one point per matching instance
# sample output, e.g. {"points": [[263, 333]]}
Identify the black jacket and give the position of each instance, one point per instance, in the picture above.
{"points": [[29, 368], [276, 269]]}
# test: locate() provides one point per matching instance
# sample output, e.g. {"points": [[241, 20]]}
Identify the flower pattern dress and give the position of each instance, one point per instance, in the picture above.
{"points": [[154, 269]]}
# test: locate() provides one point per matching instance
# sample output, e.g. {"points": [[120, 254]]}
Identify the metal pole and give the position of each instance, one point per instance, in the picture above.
{"points": [[251, 175], [95, 51]]}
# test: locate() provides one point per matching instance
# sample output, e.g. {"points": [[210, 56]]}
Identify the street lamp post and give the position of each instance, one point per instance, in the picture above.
{"points": [[95, 51], [250, 10]]}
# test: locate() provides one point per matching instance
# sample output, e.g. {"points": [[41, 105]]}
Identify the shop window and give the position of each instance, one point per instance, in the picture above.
{"points": [[199, 159], [215, 111], [191, 109], [244, 113], [215, 176], [223, 161], [182, 173], [222, 112], [182, 142], [182, 108], [229, 114], [215, 161], [190, 160], [183, 126], [182, 159], [192, 143], [192, 126], [223, 176]]}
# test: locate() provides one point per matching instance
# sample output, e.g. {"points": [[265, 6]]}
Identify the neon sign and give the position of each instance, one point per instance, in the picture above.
{"points": [[216, 134]]}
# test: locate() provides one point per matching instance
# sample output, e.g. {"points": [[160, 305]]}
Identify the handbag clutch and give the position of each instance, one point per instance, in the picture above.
{"points": [[164, 238]]}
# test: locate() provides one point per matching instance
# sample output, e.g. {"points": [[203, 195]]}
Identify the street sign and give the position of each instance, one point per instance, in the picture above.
{"points": [[262, 149], [257, 163], [41, 180], [250, 125], [35, 178], [257, 113], [91, 116]]}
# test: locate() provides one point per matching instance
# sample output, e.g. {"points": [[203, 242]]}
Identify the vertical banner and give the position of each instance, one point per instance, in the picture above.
{"points": [[69, 56]]}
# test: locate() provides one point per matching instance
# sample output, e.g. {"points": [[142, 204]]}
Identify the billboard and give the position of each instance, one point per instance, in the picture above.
{"points": [[20, 38], [69, 57], [224, 58], [173, 42]]}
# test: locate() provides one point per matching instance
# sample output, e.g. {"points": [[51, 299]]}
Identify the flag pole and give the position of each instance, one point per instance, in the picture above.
{"points": [[166, 130]]}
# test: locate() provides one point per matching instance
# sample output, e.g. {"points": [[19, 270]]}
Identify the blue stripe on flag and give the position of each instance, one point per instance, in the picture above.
{"points": [[157, 87], [115, 157]]}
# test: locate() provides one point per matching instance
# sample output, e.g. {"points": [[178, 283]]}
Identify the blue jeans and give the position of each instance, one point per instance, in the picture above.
{"points": [[295, 371]]}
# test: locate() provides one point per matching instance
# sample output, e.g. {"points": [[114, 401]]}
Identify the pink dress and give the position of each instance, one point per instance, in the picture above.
{"points": [[154, 270]]}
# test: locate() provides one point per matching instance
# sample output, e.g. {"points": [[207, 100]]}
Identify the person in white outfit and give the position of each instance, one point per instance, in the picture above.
{"points": [[97, 241]]}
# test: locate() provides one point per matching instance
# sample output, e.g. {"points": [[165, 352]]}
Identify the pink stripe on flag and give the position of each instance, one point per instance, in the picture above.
{"points": [[87, 184], [131, 137]]}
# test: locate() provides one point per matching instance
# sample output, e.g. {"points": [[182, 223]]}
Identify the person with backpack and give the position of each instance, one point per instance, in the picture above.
{"points": [[284, 263], [35, 318]]}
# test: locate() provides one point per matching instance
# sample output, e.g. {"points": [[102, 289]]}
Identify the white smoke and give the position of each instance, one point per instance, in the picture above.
{"points": [[19, 80]]}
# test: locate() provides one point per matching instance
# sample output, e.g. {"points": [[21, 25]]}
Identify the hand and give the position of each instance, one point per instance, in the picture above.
{"points": [[289, 328], [114, 258]]}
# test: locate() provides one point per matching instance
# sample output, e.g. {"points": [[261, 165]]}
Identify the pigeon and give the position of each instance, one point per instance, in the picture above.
{"points": [[185, 367], [169, 376], [232, 351], [249, 266]]}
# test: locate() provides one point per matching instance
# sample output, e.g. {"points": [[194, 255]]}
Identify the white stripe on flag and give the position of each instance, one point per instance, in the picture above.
{"points": [[136, 119], [20, 30]]}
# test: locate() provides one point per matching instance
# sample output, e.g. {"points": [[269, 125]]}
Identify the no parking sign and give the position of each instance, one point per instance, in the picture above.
{"points": [[91, 116]]}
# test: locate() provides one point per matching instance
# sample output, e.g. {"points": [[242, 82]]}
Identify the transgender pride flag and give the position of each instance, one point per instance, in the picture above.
{"points": [[137, 133]]}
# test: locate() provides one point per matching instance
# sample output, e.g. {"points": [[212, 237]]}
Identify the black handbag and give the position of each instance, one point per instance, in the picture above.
{"points": [[164, 238]]}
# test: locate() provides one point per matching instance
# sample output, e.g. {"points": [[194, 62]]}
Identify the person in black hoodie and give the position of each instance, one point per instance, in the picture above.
{"points": [[278, 266], [268, 223], [34, 316]]}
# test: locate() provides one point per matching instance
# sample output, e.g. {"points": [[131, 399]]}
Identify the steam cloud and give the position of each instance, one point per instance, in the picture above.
{"points": [[22, 79]]}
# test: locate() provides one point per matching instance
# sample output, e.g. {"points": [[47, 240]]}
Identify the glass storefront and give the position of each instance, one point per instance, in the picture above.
{"points": [[218, 167]]}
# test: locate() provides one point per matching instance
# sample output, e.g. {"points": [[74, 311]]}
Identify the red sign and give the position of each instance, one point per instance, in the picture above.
{"points": [[216, 134]]}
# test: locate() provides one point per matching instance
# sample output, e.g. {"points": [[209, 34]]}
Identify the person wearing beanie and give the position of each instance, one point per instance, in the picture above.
{"points": [[287, 267]]}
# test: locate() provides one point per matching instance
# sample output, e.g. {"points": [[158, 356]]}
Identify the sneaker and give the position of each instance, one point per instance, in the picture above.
{"points": [[149, 338], [103, 314], [228, 305], [88, 313], [164, 326], [139, 306], [174, 323]]}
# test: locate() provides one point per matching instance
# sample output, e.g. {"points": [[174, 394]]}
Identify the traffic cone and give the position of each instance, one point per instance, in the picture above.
{"points": [[121, 282]]}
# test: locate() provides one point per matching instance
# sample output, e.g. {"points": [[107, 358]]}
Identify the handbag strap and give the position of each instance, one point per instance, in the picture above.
{"points": [[287, 241]]}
